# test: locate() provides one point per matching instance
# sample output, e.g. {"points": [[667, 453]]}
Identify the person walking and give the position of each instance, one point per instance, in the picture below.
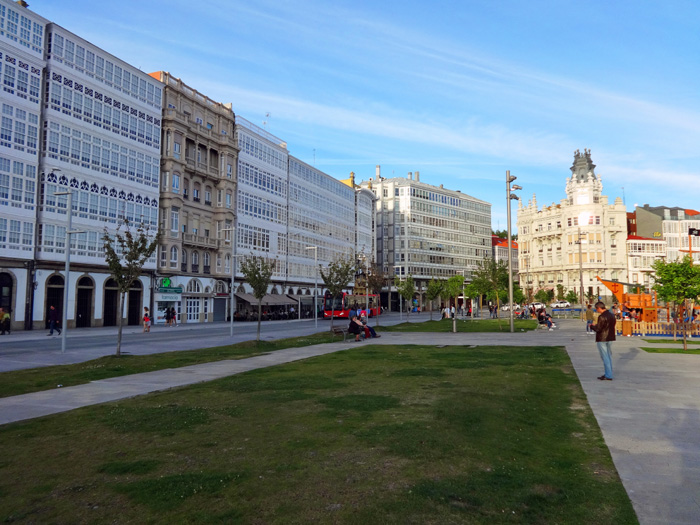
{"points": [[4, 321], [146, 320], [604, 329], [589, 320], [173, 316], [53, 321]]}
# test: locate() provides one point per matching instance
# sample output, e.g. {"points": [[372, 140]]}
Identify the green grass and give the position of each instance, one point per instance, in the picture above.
{"points": [[670, 350], [477, 325], [671, 341], [390, 434], [46, 378]]}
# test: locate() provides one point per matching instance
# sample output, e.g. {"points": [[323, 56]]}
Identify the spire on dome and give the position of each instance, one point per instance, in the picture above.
{"points": [[582, 166]]}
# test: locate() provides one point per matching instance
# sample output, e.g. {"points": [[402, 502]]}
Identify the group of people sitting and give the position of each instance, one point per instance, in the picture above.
{"points": [[358, 326], [544, 318]]}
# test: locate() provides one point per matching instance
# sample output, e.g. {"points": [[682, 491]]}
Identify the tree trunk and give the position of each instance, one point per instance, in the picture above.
{"points": [[454, 318], [259, 317], [120, 307], [431, 310], [408, 312]]}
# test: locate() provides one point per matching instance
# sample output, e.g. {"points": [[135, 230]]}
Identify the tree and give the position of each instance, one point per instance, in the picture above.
{"points": [[572, 297], [453, 287], [542, 296], [678, 283], [490, 278], [560, 292], [406, 289], [503, 234], [433, 292], [126, 252], [337, 276], [257, 272], [375, 283]]}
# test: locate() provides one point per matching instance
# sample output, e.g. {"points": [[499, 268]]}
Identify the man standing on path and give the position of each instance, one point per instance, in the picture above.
{"points": [[53, 321], [604, 336]]}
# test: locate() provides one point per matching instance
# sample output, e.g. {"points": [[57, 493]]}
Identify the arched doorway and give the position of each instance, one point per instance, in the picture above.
{"points": [[54, 296], [135, 295], [110, 305], [6, 287], [83, 307]]}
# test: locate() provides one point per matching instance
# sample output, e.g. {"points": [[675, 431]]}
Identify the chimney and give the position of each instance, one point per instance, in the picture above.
{"points": [[410, 175], [418, 176], [377, 172], [22, 3]]}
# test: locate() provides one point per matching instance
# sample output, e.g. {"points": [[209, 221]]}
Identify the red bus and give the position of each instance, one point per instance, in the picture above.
{"points": [[345, 302]]}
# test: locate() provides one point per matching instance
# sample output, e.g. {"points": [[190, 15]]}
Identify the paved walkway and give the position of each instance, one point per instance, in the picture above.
{"points": [[649, 416]]}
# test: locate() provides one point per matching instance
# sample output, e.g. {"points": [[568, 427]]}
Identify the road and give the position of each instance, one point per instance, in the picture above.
{"points": [[32, 349]]}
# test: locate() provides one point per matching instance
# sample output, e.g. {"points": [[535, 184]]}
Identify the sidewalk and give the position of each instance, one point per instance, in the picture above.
{"points": [[649, 415]]}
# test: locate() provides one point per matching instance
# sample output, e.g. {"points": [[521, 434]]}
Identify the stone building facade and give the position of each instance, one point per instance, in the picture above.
{"points": [[550, 238]]}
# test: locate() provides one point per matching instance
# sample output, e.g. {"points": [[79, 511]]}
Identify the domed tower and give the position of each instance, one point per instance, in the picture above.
{"points": [[584, 186]]}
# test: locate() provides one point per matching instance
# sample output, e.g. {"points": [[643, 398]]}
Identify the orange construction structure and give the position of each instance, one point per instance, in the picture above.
{"points": [[648, 304]]}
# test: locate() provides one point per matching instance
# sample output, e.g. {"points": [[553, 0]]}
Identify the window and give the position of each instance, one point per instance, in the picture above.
{"points": [[173, 257], [174, 219], [176, 183], [177, 150]]}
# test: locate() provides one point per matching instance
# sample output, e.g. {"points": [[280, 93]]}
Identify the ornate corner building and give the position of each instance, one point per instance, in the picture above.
{"points": [[582, 236]]}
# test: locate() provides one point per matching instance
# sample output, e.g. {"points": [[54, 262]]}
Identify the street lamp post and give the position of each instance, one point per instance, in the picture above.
{"points": [[400, 297], [66, 287], [233, 273], [583, 217], [315, 249], [510, 196]]}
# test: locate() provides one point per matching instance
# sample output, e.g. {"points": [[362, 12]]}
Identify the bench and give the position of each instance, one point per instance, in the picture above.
{"points": [[339, 330]]}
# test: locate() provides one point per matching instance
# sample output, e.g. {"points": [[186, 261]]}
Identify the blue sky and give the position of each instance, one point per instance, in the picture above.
{"points": [[460, 91]]}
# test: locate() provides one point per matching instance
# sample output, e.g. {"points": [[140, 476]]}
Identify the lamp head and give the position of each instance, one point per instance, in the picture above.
{"points": [[516, 187]]}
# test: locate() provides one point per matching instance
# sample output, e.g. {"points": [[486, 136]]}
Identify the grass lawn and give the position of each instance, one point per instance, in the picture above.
{"points": [[390, 435], [670, 350], [671, 341], [46, 378], [478, 325]]}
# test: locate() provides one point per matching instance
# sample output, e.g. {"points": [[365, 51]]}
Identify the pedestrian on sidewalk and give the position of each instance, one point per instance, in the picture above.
{"points": [[4, 321], [53, 321], [589, 320], [604, 330], [146, 320]]}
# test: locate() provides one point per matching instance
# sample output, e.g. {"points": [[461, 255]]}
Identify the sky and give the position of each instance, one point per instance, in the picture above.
{"points": [[460, 91]]}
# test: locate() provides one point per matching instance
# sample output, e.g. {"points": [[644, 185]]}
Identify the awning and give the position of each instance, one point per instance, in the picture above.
{"points": [[305, 299], [268, 300]]}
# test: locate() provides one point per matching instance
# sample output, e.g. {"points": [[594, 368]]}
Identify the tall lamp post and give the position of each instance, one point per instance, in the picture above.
{"points": [[233, 272], [66, 288], [583, 217], [400, 297], [315, 249], [510, 196]]}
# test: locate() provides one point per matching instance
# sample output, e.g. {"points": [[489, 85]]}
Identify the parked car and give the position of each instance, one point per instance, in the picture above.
{"points": [[506, 307], [537, 306], [561, 304]]}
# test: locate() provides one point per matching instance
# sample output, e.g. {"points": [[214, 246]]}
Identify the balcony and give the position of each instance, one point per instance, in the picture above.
{"points": [[206, 270], [199, 241], [195, 268], [183, 267]]}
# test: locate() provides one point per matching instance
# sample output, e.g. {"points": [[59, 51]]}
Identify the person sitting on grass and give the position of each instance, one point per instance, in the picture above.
{"points": [[355, 327]]}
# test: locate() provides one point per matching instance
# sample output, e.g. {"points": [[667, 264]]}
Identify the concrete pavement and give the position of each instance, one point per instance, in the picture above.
{"points": [[649, 415]]}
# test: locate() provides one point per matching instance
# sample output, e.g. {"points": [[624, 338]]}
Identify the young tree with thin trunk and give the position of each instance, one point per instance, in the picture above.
{"points": [[336, 277], [257, 272], [490, 278], [678, 283], [126, 251], [375, 282], [406, 289], [435, 288], [453, 287]]}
